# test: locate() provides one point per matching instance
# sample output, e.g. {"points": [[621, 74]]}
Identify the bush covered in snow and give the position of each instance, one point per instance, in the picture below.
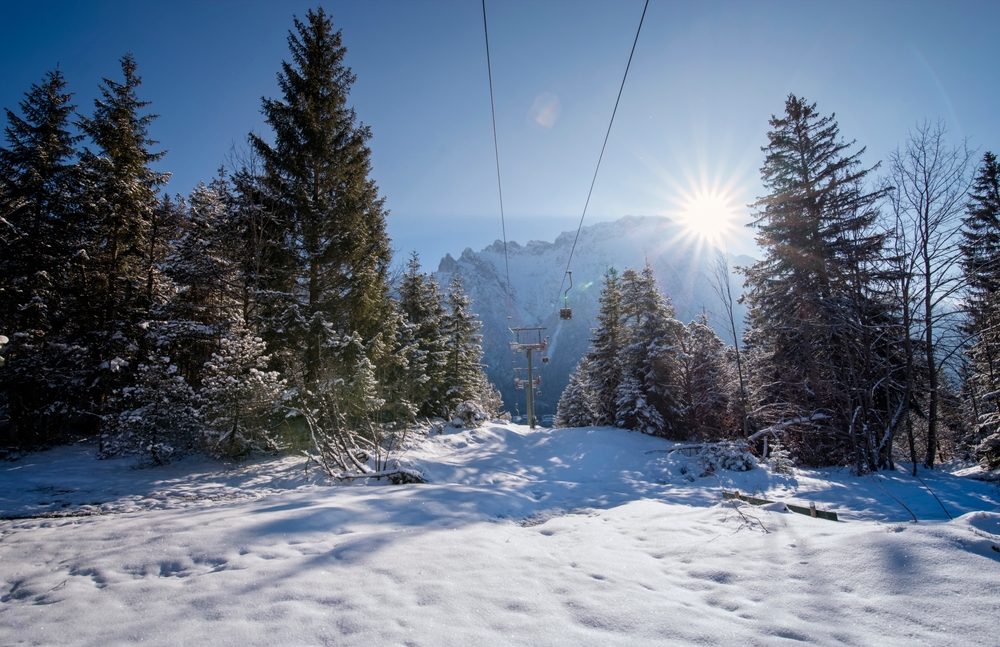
{"points": [[470, 414], [733, 455]]}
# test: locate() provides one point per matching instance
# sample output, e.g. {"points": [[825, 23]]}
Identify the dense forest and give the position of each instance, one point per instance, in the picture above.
{"points": [[257, 313], [262, 311], [872, 333]]}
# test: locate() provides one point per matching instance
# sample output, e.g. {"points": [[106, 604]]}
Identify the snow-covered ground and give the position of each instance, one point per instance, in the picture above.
{"points": [[547, 537]]}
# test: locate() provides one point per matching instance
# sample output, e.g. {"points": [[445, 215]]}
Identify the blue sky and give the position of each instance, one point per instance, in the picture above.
{"points": [[705, 79]]}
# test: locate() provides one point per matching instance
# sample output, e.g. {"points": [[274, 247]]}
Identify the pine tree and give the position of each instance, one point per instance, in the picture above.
{"points": [[120, 198], [317, 176], [421, 340], [577, 404], [605, 351], [239, 396], [704, 381], [207, 303], [645, 399], [813, 229], [156, 416], [465, 380], [40, 233], [981, 263]]}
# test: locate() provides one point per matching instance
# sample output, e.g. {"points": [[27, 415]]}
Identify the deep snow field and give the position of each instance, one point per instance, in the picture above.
{"points": [[590, 536]]}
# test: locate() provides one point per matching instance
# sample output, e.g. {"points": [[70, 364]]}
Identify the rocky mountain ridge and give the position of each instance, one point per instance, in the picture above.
{"points": [[682, 266]]}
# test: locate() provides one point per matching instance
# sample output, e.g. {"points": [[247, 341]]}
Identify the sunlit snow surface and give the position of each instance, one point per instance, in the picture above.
{"points": [[547, 537]]}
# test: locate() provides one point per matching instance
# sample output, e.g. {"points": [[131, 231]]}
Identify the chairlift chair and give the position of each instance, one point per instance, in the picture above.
{"points": [[566, 312]]}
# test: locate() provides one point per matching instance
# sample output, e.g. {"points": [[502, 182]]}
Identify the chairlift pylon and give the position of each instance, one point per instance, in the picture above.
{"points": [[566, 312]]}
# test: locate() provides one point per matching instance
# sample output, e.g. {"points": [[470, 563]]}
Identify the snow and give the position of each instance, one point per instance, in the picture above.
{"points": [[550, 536]]}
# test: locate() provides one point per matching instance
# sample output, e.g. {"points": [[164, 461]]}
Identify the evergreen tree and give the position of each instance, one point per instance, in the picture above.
{"points": [[120, 198], [981, 263], [206, 304], [156, 415], [422, 342], [165, 226], [577, 404], [239, 396], [813, 229], [646, 398], [40, 233], [464, 377], [704, 381], [316, 173], [605, 351]]}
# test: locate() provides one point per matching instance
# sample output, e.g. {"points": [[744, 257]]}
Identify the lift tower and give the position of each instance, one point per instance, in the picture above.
{"points": [[528, 340]]}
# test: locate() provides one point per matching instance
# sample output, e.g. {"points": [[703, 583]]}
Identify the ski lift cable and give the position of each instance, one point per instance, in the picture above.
{"points": [[601, 157], [496, 148]]}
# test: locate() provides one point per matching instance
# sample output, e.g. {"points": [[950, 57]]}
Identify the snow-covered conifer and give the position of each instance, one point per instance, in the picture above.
{"points": [[605, 351], [239, 396], [646, 399], [155, 418], [577, 404], [422, 342], [41, 230], [120, 196], [465, 379], [704, 381]]}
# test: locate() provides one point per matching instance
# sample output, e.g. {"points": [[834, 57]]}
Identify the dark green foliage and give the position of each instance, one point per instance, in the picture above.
{"points": [[421, 341], [705, 382], [605, 351], [146, 319], [333, 274], [981, 263], [464, 378], [120, 200], [40, 237], [811, 303], [646, 398]]}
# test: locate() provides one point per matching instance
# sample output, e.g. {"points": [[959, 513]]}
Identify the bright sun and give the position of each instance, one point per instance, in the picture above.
{"points": [[708, 216]]}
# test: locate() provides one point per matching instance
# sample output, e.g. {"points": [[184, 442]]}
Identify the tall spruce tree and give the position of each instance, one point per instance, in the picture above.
{"points": [[645, 399], [206, 304], [813, 227], [981, 263], [120, 198], [703, 381], [605, 351], [464, 377], [421, 340], [316, 173], [40, 233]]}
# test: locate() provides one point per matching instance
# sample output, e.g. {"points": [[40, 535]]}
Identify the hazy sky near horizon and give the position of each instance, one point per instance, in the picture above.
{"points": [[705, 79]]}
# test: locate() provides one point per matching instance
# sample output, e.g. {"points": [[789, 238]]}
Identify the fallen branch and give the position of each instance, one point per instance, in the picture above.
{"points": [[788, 423], [811, 511], [737, 508], [396, 477]]}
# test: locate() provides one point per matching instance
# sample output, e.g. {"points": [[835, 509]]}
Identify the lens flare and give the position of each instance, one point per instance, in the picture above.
{"points": [[545, 111]]}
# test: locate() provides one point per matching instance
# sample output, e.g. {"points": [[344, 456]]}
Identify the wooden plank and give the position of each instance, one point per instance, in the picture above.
{"points": [[820, 514]]}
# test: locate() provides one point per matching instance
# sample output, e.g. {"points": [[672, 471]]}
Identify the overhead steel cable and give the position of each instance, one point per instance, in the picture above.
{"points": [[496, 148], [605, 145]]}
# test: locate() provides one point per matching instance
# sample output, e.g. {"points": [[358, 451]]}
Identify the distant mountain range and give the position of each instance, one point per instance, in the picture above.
{"points": [[682, 267]]}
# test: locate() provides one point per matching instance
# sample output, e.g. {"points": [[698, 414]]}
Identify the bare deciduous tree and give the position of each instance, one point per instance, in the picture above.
{"points": [[931, 181]]}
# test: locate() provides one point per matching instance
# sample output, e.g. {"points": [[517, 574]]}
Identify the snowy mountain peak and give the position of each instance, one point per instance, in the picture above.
{"points": [[537, 269]]}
